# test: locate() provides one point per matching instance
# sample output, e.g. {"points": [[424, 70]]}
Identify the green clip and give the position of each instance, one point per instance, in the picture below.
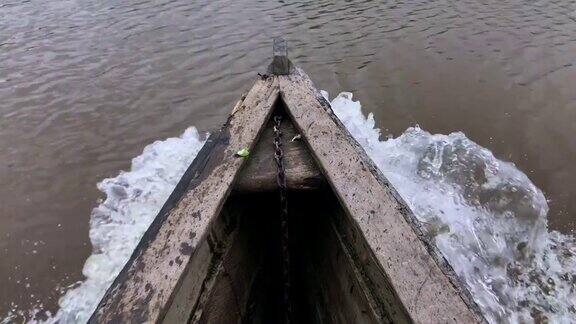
{"points": [[243, 152]]}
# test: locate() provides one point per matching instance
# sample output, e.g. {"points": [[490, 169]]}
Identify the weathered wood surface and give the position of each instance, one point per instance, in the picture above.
{"points": [[280, 63], [426, 292], [225, 297], [377, 286], [259, 174], [144, 290], [338, 290], [200, 274]]}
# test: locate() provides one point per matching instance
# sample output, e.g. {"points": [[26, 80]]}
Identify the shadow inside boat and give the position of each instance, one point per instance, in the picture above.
{"points": [[334, 276]]}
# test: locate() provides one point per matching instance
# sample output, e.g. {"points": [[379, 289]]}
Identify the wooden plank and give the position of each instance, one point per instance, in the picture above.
{"points": [[384, 299], [200, 275], [337, 290], [144, 290], [227, 301], [259, 174], [280, 63], [423, 283]]}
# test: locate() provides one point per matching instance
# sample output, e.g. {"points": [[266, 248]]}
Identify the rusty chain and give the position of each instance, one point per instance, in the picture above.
{"points": [[285, 250]]}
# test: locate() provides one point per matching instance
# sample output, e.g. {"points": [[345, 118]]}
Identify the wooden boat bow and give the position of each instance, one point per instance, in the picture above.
{"points": [[359, 249]]}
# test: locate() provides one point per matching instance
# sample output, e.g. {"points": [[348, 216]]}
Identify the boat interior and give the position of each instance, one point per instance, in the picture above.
{"points": [[334, 276], [217, 251]]}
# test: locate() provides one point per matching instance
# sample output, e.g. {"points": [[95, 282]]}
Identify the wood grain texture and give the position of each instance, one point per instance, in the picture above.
{"points": [[259, 174], [338, 290], [280, 65], [144, 290], [228, 300], [428, 294]]}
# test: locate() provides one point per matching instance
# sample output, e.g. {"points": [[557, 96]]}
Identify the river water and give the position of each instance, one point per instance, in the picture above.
{"points": [[86, 85]]}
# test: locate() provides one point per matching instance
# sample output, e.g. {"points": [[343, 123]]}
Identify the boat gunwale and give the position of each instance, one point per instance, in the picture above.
{"points": [[463, 303], [217, 152], [129, 299]]}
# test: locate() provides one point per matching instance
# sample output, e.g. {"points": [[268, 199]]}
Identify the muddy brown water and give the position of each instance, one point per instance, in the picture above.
{"points": [[85, 85]]}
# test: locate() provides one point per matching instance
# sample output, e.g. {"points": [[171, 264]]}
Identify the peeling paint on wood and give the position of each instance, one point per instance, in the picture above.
{"points": [[158, 259], [378, 211], [182, 266], [280, 63], [259, 174]]}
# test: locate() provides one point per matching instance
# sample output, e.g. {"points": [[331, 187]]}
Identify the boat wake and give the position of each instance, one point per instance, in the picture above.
{"points": [[132, 201], [485, 216]]}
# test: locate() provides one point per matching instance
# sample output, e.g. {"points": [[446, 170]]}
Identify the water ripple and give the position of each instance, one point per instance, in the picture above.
{"points": [[85, 85]]}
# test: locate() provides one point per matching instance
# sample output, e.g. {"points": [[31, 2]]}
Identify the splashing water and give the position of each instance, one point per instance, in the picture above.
{"points": [[132, 201], [485, 216]]}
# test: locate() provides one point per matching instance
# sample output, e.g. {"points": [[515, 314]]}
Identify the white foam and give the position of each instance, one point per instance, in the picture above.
{"points": [[485, 216], [132, 201]]}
